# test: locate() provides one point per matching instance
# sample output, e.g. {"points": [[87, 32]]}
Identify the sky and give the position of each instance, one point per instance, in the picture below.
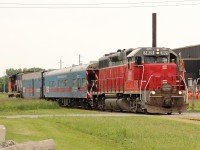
{"points": [[40, 33]]}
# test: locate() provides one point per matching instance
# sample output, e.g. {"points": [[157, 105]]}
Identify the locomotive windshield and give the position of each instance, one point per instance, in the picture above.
{"points": [[153, 59]]}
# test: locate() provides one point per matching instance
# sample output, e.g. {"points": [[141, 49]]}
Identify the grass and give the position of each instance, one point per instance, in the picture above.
{"points": [[113, 133], [22, 104], [17, 106], [13, 106], [196, 106], [97, 133]]}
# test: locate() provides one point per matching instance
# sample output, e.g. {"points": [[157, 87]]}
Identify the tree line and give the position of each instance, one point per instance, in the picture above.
{"points": [[12, 71]]}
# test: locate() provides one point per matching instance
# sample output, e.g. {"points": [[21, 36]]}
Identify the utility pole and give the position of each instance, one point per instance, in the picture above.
{"points": [[79, 59], [154, 42], [193, 93], [60, 62]]}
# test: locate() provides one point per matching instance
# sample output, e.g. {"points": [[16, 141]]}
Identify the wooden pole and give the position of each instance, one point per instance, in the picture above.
{"points": [[193, 93], [154, 30]]}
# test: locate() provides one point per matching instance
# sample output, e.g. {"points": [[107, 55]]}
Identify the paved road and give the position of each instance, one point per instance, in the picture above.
{"points": [[101, 115]]}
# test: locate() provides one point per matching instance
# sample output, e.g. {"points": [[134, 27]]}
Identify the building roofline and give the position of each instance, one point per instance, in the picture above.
{"points": [[186, 47]]}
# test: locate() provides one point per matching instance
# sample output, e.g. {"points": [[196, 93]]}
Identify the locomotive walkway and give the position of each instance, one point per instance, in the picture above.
{"points": [[101, 115]]}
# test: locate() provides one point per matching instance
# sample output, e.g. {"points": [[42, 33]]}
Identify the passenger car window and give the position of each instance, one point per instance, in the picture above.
{"points": [[83, 82], [74, 83], [66, 83]]}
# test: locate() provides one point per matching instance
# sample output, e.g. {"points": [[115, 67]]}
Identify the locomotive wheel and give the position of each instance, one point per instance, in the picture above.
{"points": [[145, 111], [134, 106], [101, 104]]}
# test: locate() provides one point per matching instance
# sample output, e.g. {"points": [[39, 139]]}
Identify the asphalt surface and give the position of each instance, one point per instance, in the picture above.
{"points": [[115, 114]]}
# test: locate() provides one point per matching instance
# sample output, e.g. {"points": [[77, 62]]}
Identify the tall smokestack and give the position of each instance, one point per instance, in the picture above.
{"points": [[154, 30]]}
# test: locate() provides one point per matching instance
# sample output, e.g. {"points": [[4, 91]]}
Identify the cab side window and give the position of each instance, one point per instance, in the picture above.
{"points": [[138, 60]]}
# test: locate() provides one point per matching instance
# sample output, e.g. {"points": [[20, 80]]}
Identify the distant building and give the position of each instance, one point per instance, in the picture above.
{"points": [[191, 57]]}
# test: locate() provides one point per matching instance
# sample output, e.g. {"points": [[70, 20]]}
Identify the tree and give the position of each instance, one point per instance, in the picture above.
{"points": [[33, 69], [12, 71], [1, 84]]}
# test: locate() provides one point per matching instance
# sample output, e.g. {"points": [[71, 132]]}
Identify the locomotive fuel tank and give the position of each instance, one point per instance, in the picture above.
{"points": [[117, 104]]}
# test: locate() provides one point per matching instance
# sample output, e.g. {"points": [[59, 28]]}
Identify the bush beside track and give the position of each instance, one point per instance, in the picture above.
{"points": [[16, 106], [8, 104]]}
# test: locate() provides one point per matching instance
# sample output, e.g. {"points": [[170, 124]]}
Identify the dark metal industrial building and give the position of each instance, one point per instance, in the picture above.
{"points": [[191, 57]]}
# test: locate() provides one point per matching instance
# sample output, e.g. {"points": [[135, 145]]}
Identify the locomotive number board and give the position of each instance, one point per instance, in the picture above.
{"points": [[148, 52], [157, 53], [164, 53]]}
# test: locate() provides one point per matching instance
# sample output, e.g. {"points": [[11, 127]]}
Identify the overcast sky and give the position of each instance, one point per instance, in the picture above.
{"points": [[39, 37]]}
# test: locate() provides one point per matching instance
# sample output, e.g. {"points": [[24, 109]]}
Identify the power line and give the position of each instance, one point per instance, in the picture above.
{"points": [[89, 4], [130, 5], [113, 7]]}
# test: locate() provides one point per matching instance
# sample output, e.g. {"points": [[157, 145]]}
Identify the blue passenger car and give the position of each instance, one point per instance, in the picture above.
{"points": [[32, 85], [68, 85]]}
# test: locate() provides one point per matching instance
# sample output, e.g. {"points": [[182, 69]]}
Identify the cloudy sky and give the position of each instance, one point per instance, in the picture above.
{"points": [[39, 33]]}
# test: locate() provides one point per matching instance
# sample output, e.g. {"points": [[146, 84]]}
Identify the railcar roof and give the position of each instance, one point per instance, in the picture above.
{"points": [[32, 75], [134, 52], [67, 70]]}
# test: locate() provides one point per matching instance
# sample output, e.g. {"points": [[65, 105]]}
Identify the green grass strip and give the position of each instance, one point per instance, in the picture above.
{"points": [[113, 133]]}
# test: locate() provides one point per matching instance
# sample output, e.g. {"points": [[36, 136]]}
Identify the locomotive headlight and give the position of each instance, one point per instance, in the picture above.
{"points": [[157, 51], [153, 92], [180, 92]]}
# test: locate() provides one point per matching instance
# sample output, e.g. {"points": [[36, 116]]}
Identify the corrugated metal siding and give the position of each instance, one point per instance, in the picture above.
{"points": [[192, 66], [189, 52]]}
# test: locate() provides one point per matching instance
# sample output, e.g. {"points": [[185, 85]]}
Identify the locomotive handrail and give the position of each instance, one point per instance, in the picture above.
{"points": [[185, 88], [146, 87], [141, 81], [93, 83]]}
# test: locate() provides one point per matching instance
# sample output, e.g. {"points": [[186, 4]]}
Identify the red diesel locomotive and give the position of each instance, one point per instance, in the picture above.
{"points": [[146, 79]]}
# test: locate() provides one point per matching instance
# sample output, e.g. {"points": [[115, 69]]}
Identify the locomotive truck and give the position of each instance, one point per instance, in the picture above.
{"points": [[145, 79]]}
